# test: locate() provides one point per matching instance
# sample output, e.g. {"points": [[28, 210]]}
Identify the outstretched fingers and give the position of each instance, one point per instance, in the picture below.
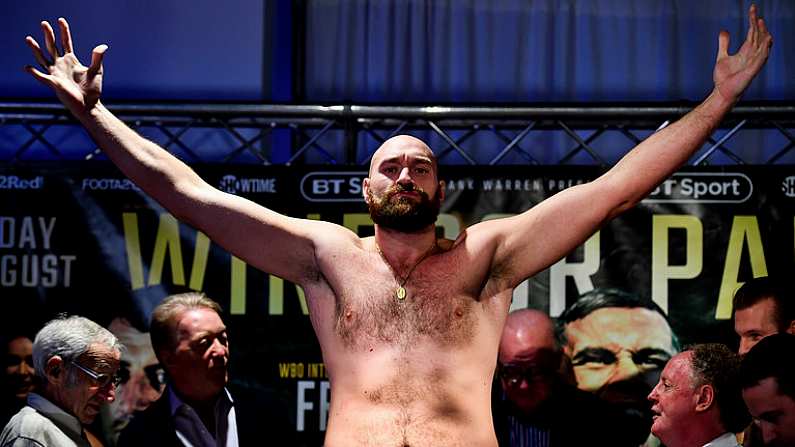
{"points": [[49, 39], [96, 60], [39, 76], [723, 44], [753, 30], [66, 36], [37, 53]]}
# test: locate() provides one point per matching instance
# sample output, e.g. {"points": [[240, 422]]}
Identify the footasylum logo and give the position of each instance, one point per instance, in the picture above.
{"points": [[703, 187], [233, 185], [109, 184]]}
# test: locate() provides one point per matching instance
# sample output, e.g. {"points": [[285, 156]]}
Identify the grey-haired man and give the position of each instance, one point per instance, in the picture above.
{"points": [[76, 361]]}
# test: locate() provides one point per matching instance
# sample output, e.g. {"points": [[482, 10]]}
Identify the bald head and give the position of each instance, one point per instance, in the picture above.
{"points": [[531, 364], [399, 145], [527, 330]]}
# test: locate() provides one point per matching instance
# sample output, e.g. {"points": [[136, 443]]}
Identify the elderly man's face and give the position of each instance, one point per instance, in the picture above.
{"points": [[83, 396], [618, 353], [198, 364], [672, 399], [773, 412]]}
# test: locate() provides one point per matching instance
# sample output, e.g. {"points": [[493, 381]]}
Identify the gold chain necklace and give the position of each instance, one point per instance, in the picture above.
{"points": [[400, 292]]}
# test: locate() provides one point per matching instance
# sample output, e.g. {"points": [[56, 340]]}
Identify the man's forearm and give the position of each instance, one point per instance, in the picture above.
{"points": [[152, 168], [662, 153]]}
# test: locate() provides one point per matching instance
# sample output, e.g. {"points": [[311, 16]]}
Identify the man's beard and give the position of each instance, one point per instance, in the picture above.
{"points": [[403, 214]]}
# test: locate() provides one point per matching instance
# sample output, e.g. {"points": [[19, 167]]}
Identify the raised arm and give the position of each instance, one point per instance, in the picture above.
{"points": [[530, 242], [265, 239]]}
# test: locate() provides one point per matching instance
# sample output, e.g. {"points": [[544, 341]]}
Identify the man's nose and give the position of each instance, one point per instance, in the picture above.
{"points": [[25, 368], [745, 346], [652, 397], [218, 348], [625, 368], [405, 176], [109, 392]]}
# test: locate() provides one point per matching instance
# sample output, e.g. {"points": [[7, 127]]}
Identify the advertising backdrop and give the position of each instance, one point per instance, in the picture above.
{"points": [[82, 239]]}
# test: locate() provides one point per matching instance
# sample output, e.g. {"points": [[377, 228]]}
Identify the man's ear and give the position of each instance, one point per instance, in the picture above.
{"points": [[54, 369], [441, 191], [705, 395], [365, 188]]}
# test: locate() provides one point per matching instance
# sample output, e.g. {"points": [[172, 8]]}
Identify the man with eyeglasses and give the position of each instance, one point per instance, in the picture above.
{"points": [[537, 403], [619, 344], [76, 361]]}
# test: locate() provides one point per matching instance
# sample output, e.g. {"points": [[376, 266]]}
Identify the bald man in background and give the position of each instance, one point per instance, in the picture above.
{"points": [[537, 403]]}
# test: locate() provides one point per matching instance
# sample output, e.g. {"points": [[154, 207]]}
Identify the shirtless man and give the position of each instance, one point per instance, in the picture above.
{"points": [[409, 325]]}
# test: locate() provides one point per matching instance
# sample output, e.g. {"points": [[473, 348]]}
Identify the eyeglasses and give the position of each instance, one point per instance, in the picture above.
{"points": [[102, 380], [514, 375]]}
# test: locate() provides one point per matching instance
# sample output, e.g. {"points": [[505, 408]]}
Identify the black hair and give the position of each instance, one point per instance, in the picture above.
{"points": [[601, 298], [773, 356], [765, 287]]}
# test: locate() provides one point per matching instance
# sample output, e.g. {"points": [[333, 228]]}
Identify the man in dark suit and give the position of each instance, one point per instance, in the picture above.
{"points": [[198, 408]]}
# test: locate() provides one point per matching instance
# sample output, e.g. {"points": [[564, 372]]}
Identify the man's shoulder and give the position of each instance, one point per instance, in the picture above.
{"points": [[30, 427]]}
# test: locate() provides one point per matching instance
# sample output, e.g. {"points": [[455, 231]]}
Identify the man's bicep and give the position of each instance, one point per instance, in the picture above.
{"points": [[537, 238], [270, 241]]}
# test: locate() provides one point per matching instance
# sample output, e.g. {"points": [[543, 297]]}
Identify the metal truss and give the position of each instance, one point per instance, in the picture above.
{"points": [[349, 134]]}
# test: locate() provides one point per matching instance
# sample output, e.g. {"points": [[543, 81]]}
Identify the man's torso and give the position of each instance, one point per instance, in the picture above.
{"points": [[415, 371]]}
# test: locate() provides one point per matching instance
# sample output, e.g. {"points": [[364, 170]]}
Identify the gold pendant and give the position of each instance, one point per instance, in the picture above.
{"points": [[400, 293]]}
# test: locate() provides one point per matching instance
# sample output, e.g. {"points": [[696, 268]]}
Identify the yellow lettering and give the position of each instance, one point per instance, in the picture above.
{"points": [[745, 229], [661, 270], [450, 224], [353, 221], [276, 296], [199, 267], [167, 239], [580, 271], [237, 304], [133, 246]]}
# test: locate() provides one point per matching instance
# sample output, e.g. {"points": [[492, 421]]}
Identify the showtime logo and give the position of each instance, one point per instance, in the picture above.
{"points": [[234, 185]]}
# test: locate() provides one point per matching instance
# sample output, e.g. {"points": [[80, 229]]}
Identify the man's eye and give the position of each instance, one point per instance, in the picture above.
{"points": [[651, 358], [652, 362], [599, 358]]}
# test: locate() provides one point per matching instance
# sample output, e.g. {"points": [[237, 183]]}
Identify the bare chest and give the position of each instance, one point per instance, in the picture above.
{"points": [[371, 311]]}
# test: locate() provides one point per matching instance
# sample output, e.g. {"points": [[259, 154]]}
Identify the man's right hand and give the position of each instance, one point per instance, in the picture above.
{"points": [[77, 86]]}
